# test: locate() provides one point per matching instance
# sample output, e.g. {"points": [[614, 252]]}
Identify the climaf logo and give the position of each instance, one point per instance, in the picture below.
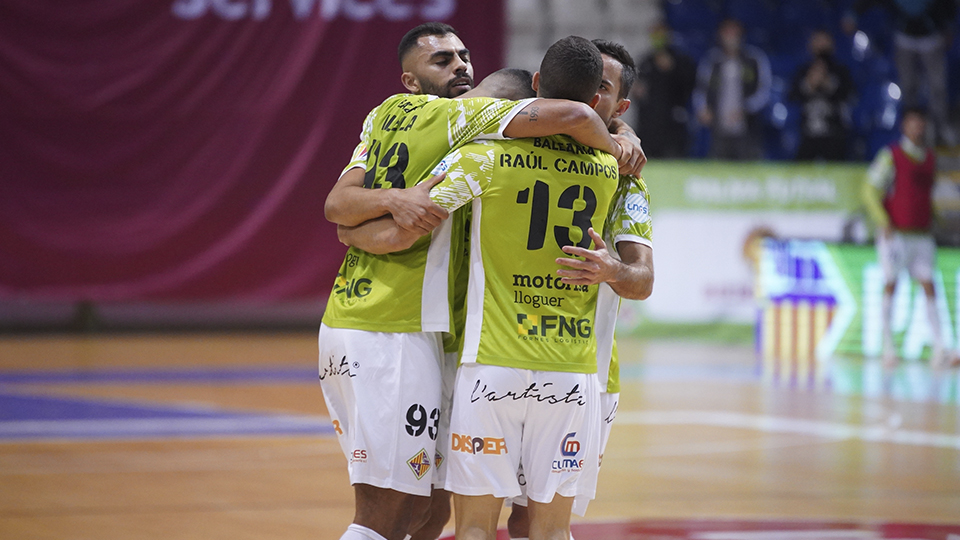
{"points": [[569, 448]]}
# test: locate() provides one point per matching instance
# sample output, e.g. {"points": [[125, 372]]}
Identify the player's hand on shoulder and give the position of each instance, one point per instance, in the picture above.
{"points": [[413, 210], [632, 159]]}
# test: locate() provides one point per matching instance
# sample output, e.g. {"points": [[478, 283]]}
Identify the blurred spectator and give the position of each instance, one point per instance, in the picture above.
{"points": [[822, 86], [733, 86], [665, 81], [922, 36]]}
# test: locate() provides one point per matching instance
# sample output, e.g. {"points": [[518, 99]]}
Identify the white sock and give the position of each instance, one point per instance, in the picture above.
{"points": [[359, 532], [887, 324], [407, 537]]}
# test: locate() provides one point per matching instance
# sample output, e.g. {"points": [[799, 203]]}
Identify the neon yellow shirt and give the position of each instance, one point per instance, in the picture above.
{"points": [[529, 198], [628, 221], [402, 140]]}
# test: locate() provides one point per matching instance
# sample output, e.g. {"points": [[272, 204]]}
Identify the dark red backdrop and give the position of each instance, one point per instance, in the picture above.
{"points": [[182, 149]]}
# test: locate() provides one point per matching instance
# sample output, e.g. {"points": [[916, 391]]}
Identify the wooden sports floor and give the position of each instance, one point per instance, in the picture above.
{"points": [[224, 436]]}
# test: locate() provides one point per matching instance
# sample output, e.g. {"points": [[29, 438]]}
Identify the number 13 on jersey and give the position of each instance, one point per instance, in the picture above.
{"points": [[541, 207]]}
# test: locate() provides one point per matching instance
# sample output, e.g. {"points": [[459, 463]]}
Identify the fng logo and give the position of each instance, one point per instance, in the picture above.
{"points": [[478, 445], [539, 325], [353, 288]]}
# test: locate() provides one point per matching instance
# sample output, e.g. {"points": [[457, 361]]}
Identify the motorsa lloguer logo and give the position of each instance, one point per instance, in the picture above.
{"points": [[354, 10]]}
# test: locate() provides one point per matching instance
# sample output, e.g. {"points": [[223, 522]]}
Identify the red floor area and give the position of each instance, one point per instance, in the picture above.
{"points": [[756, 530]]}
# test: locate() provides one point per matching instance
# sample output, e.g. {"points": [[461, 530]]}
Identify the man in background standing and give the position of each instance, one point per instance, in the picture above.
{"points": [[823, 87], [897, 196], [733, 87], [665, 80], [921, 38]]}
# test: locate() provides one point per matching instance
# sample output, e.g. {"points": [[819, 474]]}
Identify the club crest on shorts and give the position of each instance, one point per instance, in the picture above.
{"points": [[419, 464], [437, 459]]}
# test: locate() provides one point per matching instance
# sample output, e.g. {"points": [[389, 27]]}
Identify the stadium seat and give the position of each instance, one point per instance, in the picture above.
{"points": [[806, 14], [686, 15], [695, 43], [754, 14]]}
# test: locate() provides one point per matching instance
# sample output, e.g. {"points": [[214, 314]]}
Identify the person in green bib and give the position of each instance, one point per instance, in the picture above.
{"points": [[381, 339]]}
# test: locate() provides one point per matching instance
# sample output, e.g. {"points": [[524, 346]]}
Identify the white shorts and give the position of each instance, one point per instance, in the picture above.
{"points": [[548, 420], [914, 252], [383, 394], [448, 374], [609, 403]]}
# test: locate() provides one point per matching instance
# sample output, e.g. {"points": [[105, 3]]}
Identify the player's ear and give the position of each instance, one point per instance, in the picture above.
{"points": [[536, 82], [593, 102], [621, 107], [410, 82]]}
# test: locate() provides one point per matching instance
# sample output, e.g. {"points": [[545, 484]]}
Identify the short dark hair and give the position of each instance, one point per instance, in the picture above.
{"points": [[515, 83], [409, 39], [618, 52], [730, 21], [571, 69], [915, 110]]}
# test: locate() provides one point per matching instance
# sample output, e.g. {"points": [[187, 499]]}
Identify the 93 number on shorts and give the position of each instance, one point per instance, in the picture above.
{"points": [[418, 421]]}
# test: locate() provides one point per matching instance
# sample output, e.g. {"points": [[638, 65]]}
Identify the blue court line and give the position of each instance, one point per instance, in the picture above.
{"points": [[154, 376], [35, 416], [24, 416]]}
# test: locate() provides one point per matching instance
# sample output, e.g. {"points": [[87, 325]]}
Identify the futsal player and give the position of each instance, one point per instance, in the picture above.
{"points": [[527, 386], [380, 340], [625, 271]]}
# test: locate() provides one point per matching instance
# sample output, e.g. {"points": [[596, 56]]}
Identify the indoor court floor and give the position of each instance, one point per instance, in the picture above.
{"points": [[225, 436]]}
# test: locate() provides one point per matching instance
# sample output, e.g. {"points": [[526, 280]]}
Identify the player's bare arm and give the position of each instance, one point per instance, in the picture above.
{"points": [[378, 236], [351, 204], [633, 157], [383, 235], [630, 277], [545, 117]]}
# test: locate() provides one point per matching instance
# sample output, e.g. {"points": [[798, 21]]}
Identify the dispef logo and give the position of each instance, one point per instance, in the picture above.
{"points": [[569, 448], [478, 445], [543, 325]]}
